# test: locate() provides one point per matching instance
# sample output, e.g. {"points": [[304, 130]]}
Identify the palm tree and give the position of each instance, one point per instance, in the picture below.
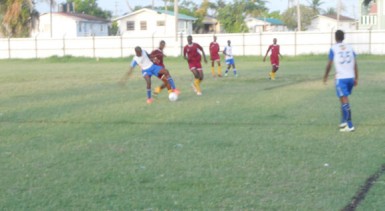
{"points": [[316, 5], [17, 17]]}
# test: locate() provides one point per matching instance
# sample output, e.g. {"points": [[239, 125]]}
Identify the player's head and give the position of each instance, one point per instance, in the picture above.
{"points": [[162, 44], [275, 40], [340, 36], [138, 51], [228, 42], [215, 38], [189, 39]]}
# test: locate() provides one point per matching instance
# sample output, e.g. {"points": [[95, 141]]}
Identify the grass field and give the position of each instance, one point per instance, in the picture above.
{"points": [[72, 139]]}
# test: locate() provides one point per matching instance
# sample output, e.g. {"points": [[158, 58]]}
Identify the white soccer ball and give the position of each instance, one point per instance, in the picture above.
{"points": [[173, 97]]}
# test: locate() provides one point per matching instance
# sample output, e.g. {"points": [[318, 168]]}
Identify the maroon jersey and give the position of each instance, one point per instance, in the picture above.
{"points": [[157, 57], [192, 53], [214, 51], [274, 57]]}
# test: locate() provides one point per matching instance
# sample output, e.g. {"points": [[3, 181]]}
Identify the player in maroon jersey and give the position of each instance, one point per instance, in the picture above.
{"points": [[214, 56], [274, 58], [157, 57], [193, 57]]}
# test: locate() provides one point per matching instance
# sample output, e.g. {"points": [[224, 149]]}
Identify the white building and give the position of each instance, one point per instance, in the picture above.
{"points": [[325, 23], [148, 22], [256, 25], [68, 24], [372, 14]]}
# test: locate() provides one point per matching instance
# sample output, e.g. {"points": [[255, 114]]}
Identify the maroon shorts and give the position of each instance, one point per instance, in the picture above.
{"points": [[195, 65], [215, 57], [274, 61]]}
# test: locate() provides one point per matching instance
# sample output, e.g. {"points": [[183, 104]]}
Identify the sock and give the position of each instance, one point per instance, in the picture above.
{"points": [[219, 70], [171, 82], [235, 71], [197, 84], [227, 70], [347, 115], [158, 89], [212, 71], [148, 93]]}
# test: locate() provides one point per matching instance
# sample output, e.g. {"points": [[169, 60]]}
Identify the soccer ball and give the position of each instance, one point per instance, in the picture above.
{"points": [[172, 96]]}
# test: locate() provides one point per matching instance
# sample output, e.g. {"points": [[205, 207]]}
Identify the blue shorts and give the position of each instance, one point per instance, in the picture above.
{"points": [[153, 70], [230, 61], [344, 87]]}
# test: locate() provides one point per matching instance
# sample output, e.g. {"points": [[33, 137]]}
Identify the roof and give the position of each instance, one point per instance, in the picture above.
{"points": [[342, 18], [167, 12], [78, 16], [273, 21], [209, 20]]}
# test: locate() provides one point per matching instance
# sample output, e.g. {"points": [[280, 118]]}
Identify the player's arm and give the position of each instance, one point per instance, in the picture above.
{"points": [[328, 66], [355, 73], [203, 53], [264, 58], [185, 53], [128, 74]]}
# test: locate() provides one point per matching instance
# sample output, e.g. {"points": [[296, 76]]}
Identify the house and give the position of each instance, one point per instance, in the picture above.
{"points": [[332, 22], [211, 25], [372, 14], [147, 21], [264, 24], [69, 24]]}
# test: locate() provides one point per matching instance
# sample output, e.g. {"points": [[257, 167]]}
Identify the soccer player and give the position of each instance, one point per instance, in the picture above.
{"points": [[214, 56], [193, 57], [274, 58], [157, 58], [228, 52], [346, 76], [149, 69]]}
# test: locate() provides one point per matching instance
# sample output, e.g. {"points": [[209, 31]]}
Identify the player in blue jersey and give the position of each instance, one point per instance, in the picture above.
{"points": [[142, 59], [346, 76]]}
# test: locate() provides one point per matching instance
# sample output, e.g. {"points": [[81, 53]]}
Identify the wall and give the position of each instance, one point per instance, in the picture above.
{"points": [[253, 44]]}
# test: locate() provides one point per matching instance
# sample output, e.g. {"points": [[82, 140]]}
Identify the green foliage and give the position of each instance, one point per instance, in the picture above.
{"points": [[90, 7], [290, 17], [72, 139]]}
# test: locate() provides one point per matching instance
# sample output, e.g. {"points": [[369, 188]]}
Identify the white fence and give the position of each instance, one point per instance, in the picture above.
{"points": [[292, 43]]}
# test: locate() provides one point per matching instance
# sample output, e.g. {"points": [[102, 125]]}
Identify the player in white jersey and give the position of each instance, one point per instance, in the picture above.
{"points": [[149, 69], [346, 76], [228, 52]]}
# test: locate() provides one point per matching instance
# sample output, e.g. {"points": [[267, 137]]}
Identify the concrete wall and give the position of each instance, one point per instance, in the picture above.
{"points": [[292, 43]]}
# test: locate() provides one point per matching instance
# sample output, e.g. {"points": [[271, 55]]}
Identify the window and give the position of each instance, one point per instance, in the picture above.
{"points": [[130, 25], [160, 23], [80, 26], [143, 25]]}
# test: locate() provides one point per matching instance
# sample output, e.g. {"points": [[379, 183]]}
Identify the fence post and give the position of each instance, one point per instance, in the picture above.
{"points": [[181, 44], [36, 47], [64, 45], [9, 47], [121, 46], [93, 46], [260, 43], [295, 43], [370, 40], [243, 43]]}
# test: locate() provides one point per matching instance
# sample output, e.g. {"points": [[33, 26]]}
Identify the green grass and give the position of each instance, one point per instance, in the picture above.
{"points": [[72, 139]]}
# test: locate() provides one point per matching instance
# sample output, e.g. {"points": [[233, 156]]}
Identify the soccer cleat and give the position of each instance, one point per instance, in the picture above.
{"points": [[149, 100], [176, 91], [219, 75], [225, 74], [342, 125], [272, 76], [199, 93], [347, 129], [236, 75]]}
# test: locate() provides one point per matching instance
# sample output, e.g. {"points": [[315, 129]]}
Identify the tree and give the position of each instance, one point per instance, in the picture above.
{"points": [[232, 15], [17, 17], [290, 17], [315, 5], [330, 11], [90, 7]]}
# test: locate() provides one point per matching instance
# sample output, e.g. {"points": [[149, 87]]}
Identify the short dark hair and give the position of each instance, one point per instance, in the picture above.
{"points": [[137, 48], [340, 35]]}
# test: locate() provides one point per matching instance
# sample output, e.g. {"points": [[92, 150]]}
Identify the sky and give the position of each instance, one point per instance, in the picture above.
{"points": [[119, 7]]}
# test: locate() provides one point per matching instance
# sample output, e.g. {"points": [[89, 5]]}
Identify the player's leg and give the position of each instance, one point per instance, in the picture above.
{"points": [[212, 67], [167, 77], [147, 78], [228, 67], [234, 69], [219, 68], [197, 80], [158, 89], [344, 88]]}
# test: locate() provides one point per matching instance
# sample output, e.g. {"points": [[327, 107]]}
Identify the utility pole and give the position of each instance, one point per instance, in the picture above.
{"points": [[50, 16], [338, 12], [176, 19], [298, 16]]}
